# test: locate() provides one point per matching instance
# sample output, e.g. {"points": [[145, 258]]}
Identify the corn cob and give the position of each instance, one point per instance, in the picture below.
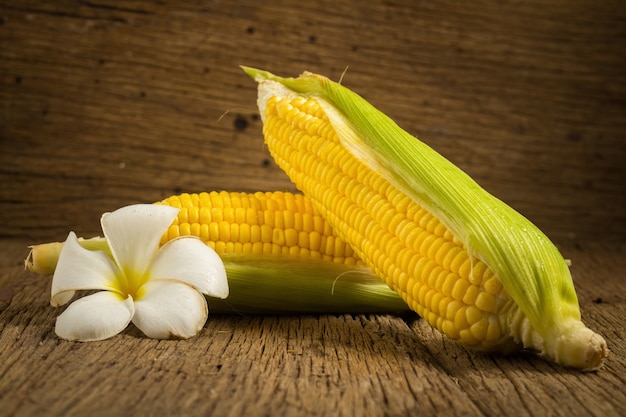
{"points": [[467, 263], [280, 255]]}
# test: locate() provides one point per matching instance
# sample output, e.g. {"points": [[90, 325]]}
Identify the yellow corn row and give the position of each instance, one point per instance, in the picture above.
{"points": [[270, 223]]}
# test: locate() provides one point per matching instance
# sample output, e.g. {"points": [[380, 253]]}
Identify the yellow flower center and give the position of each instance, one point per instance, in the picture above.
{"points": [[130, 283]]}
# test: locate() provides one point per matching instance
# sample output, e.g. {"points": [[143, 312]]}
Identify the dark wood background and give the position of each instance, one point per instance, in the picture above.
{"points": [[106, 103]]}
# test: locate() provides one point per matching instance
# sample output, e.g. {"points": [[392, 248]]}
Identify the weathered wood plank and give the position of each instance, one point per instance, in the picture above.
{"points": [[104, 105], [303, 365]]}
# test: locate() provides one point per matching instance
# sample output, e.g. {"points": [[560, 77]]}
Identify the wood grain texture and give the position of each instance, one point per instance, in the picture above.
{"points": [[342, 365], [106, 103]]}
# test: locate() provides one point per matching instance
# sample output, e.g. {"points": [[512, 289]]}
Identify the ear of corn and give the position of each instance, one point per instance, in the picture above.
{"points": [[280, 255], [465, 261]]}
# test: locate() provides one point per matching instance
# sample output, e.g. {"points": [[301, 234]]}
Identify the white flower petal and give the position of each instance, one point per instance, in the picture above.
{"points": [[192, 261], [80, 269], [95, 317], [170, 310], [134, 233]]}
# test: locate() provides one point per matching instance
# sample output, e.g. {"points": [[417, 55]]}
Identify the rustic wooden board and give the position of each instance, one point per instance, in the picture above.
{"points": [[343, 365], [105, 103]]}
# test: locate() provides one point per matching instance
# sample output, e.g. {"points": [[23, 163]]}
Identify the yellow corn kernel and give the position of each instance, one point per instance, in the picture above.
{"points": [[403, 243], [273, 223]]}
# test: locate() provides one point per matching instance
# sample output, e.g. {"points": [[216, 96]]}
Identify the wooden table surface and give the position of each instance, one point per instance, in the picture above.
{"points": [[106, 103]]}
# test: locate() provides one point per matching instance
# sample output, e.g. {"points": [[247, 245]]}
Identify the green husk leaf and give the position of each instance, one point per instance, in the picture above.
{"points": [[529, 265], [292, 284]]}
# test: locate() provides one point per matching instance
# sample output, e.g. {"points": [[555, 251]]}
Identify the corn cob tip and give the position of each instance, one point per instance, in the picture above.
{"points": [[582, 348], [42, 258]]}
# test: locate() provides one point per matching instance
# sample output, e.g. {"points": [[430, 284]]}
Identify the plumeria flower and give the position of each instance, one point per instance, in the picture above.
{"points": [[159, 289]]}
